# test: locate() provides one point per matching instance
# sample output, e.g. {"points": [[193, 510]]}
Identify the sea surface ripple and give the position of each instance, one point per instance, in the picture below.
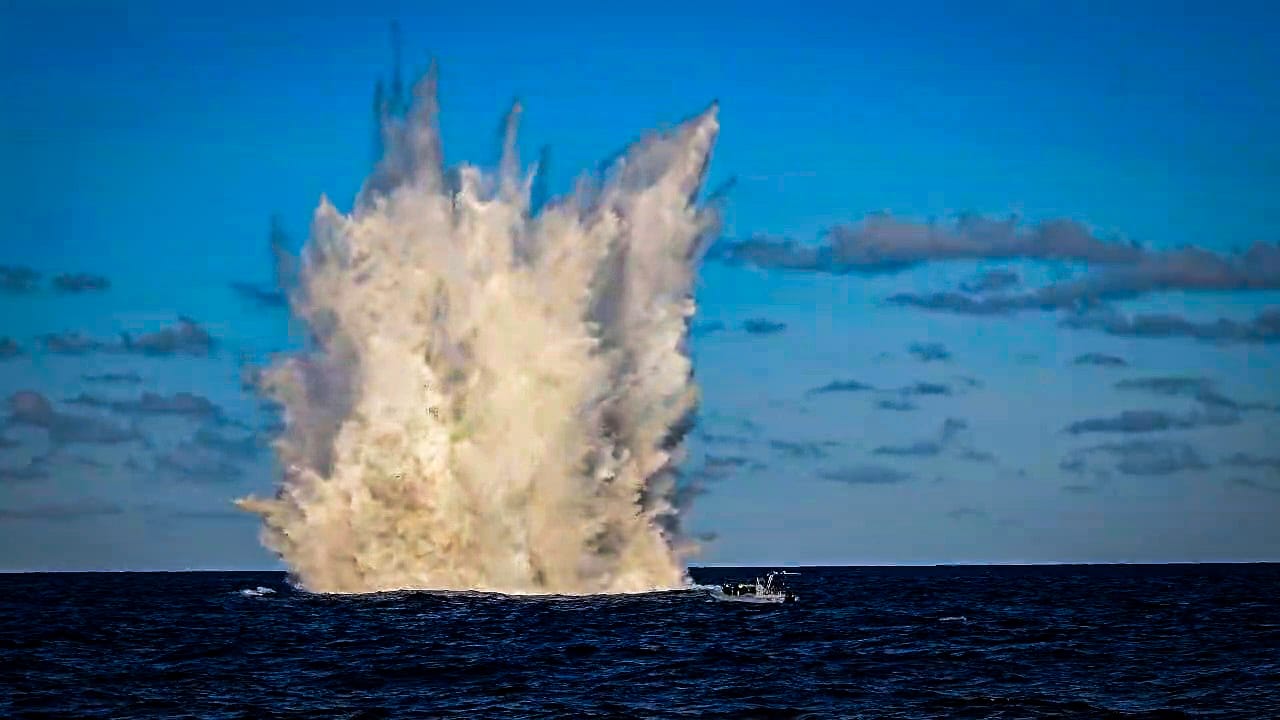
{"points": [[954, 642]]}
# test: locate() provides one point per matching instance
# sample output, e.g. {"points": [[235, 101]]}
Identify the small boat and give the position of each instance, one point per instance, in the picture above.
{"points": [[768, 590]]}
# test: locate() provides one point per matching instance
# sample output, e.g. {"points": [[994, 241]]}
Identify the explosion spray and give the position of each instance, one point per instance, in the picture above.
{"points": [[496, 393]]}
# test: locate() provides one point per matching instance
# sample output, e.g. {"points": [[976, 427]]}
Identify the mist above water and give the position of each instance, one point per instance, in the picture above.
{"points": [[497, 389]]}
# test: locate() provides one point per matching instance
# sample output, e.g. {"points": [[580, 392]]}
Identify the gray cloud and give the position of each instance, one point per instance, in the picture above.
{"points": [[1264, 328], [150, 403], [951, 427], [925, 448], [897, 405], [9, 348], [61, 511], [948, 437], [706, 328], [1254, 484], [978, 456], [929, 352], [991, 281], [34, 469], [80, 282], [1079, 489], [802, 449], [8, 443], [71, 343], [957, 303], [33, 409], [121, 378], [1200, 389], [89, 462], [841, 386], [1132, 273], [1101, 360], [865, 475], [1246, 460], [17, 279], [1145, 421], [882, 243], [760, 326], [967, 513], [1152, 457], [926, 388], [186, 337], [1073, 465], [192, 462], [721, 439], [244, 447], [284, 267], [266, 297]]}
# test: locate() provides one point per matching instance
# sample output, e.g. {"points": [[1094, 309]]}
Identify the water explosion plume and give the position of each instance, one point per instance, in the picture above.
{"points": [[495, 396]]}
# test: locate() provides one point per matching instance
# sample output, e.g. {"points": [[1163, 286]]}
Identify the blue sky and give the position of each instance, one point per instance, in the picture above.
{"points": [[150, 145]]}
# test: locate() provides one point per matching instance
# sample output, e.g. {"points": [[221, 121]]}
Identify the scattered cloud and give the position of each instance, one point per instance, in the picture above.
{"points": [[1101, 360], [760, 326], [925, 448], [865, 475], [245, 447], [1132, 272], [17, 279], [71, 343], [61, 511], [191, 462], [284, 267], [33, 409], [1074, 465], [897, 405], [882, 243], [926, 388], [841, 386], [721, 439], [802, 449], [706, 328], [34, 469], [978, 456], [950, 433], [991, 281], [1264, 328], [1254, 484], [955, 303], [1145, 421], [951, 427], [150, 403], [929, 352], [86, 461], [1079, 489], [187, 337], [1200, 389], [261, 296], [1152, 457], [110, 378], [967, 513], [1256, 462], [80, 282], [9, 348]]}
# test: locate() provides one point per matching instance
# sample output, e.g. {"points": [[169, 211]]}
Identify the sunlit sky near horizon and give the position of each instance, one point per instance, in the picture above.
{"points": [[150, 143]]}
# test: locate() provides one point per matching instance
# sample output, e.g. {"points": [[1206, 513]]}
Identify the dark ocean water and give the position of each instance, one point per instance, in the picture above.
{"points": [[1048, 642]]}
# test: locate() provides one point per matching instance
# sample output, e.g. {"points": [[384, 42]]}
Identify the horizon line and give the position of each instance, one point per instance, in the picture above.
{"points": [[1120, 563]]}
